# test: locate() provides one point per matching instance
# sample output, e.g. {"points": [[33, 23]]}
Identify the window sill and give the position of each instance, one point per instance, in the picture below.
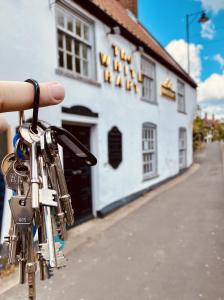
{"points": [[77, 77], [150, 177], [149, 101], [182, 112]]}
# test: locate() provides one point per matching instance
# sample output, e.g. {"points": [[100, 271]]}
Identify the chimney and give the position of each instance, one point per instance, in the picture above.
{"points": [[132, 5]]}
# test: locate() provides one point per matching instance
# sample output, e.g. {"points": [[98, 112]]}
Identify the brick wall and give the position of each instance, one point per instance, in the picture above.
{"points": [[132, 5]]}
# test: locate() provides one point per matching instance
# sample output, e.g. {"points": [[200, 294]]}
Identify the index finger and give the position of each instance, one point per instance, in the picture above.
{"points": [[17, 95]]}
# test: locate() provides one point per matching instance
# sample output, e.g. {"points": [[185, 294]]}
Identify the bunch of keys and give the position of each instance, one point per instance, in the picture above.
{"points": [[41, 205]]}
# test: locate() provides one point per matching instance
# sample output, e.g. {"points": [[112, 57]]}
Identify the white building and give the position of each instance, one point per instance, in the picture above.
{"points": [[140, 132]]}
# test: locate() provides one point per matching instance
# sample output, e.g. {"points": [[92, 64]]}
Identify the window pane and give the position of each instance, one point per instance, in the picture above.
{"points": [[68, 43], [61, 59], [69, 23], [85, 68], [86, 32], [78, 28], [69, 62], [77, 48], [77, 65], [60, 39], [85, 52], [60, 18]]}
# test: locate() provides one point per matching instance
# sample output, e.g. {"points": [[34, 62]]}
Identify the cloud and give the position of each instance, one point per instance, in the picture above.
{"points": [[220, 60], [178, 49], [213, 5], [208, 30], [211, 88]]}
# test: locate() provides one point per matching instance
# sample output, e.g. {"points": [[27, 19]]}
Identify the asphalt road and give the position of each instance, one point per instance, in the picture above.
{"points": [[172, 248]]}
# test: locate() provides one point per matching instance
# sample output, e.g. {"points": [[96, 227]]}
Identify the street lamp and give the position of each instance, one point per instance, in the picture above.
{"points": [[203, 19]]}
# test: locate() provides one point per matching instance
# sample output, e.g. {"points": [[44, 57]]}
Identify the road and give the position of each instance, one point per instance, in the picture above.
{"points": [[171, 248]]}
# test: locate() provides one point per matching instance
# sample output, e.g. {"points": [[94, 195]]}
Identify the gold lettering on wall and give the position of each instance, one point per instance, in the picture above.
{"points": [[140, 77], [126, 70], [128, 85], [120, 71], [123, 55], [117, 66], [108, 77], [129, 59], [167, 91], [116, 50], [132, 71], [118, 81], [104, 59], [136, 87]]}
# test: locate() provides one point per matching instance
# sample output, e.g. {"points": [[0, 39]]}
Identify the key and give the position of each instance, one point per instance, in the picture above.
{"points": [[7, 161], [47, 220], [64, 197], [12, 179], [12, 239], [31, 140], [60, 215], [21, 209], [22, 258], [31, 266]]}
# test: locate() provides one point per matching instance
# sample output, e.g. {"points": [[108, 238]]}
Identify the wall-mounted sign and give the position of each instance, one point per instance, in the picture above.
{"points": [[166, 90], [114, 147], [119, 70]]}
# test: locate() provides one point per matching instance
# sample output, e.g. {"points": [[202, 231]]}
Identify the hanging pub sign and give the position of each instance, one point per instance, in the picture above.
{"points": [[166, 90], [114, 147], [120, 71]]}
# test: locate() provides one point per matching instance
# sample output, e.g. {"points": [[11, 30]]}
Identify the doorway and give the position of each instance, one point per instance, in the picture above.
{"points": [[78, 175]]}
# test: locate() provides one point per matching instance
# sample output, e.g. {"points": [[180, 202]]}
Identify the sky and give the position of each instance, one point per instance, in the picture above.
{"points": [[166, 21]]}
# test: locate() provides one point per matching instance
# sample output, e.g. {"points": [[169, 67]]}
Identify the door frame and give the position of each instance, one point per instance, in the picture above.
{"points": [[76, 120]]}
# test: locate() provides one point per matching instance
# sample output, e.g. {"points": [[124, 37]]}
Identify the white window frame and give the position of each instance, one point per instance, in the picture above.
{"points": [[181, 102], [149, 150], [150, 78], [182, 142], [76, 39]]}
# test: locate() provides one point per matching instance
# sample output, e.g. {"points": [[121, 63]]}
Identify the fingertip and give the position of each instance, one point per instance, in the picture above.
{"points": [[56, 92]]}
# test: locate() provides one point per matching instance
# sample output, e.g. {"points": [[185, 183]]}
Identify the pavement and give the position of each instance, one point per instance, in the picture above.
{"points": [[167, 245]]}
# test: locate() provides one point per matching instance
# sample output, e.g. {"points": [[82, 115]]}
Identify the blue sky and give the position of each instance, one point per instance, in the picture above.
{"points": [[166, 21]]}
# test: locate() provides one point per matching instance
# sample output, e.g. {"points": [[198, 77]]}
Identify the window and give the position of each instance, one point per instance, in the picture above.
{"points": [[149, 80], [75, 39], [182, 148], [180, 96], [149, 150]]}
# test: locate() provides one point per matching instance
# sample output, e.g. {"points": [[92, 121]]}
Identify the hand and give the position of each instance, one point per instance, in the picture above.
{"points": [[16, 95]]}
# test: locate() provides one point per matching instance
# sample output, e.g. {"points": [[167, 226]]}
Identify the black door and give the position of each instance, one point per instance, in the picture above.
{"points": [[78, 176]]}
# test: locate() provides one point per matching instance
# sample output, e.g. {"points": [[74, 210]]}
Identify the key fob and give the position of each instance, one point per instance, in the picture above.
{"points": [[72, 144]]}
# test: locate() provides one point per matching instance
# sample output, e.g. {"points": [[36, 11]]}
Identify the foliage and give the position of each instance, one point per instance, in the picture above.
{"points": [[200, 131]]}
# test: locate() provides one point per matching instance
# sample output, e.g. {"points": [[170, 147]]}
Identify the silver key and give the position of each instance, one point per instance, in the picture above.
{"points": [[47, 219], [31, 139], [64, 195]]}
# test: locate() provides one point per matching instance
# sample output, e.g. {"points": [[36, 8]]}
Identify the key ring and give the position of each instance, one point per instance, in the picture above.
{"points": [[36, 102]]}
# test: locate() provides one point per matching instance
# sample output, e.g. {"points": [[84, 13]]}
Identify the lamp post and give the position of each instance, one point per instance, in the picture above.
{"points": [[203, 19]]}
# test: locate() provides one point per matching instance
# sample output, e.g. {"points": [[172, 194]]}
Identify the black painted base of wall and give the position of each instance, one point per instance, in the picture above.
{"points": [[121, 202]]}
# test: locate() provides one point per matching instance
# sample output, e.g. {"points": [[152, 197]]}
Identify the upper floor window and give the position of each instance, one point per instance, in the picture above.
{"points": [[149, 80], [75, 44], [181, 97], [149, 150]]}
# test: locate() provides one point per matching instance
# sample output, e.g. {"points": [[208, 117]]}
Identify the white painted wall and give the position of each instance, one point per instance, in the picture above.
{"points": [[29, 50]]}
